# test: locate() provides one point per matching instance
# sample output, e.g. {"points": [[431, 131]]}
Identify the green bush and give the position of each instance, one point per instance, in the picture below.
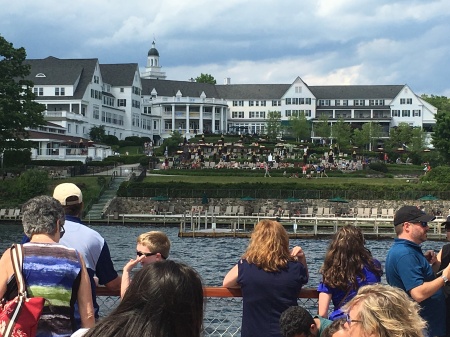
{"points": [[16, 158], [379, 167], [32, 183], [439, 174]]}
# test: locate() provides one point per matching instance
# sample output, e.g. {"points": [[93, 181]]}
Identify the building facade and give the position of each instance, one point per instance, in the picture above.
{"points": [[81, 93]]}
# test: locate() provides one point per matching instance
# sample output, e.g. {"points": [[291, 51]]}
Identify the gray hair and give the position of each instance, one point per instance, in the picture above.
{"points": [[40, 215]]}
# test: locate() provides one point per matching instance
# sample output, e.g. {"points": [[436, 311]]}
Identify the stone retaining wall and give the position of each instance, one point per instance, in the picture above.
{"points": [[182, 205]]}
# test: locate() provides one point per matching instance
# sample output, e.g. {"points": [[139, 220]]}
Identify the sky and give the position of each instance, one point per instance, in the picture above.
{"points": [[324, 42]]}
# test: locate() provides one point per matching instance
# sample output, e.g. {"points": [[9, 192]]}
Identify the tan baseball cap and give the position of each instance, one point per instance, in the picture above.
{"points": [[66, 190]]}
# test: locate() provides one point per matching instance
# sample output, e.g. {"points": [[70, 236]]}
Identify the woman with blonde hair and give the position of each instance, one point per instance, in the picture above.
{"points": [[348, 265], [383, 311], [270, 277]]}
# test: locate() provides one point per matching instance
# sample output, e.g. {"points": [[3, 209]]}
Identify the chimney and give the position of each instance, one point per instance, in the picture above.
{"points": [[227, 80]]}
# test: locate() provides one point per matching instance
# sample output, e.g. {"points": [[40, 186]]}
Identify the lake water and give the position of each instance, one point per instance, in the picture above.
{"points": [[211, 257]]}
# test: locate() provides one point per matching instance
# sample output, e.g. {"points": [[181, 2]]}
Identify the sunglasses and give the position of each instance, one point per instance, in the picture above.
{"points": [[138, 253], [61, 231], [421, 223], [350, 321]]}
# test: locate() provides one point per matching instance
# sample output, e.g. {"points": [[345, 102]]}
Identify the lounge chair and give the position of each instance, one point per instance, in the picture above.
{"points": [[241, 210], [319, 211], [374, 213], [2, 213]]}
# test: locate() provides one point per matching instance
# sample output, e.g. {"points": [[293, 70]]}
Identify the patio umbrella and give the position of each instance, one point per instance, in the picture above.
{"points": [[292, 199], [338, 199], [428, 197], [247, 198], [160, 198]]}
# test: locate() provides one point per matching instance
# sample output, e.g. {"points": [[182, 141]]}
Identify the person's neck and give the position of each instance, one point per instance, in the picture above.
{"points": [[43, 238]]}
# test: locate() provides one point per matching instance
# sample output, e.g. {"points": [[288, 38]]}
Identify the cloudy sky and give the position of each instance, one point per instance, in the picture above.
{"points": [[324, 42]]}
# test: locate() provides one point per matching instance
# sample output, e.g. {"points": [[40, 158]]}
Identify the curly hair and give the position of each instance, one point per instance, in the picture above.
{"points": [[269, 246], [387, 311], [41, 214], [156, 242], [296, 321], [346, 258]]}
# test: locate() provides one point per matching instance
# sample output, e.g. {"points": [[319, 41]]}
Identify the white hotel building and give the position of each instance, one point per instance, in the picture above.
{"points": [[81, 93]]}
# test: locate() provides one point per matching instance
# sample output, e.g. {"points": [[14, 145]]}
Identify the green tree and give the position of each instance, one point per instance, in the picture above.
{"points": [[273, 124], [441, 135], [18, 110], [367, 135], [205, 78], [341, 132], [97, 133], [32, 183], [299, 127], [322, 128], [172, 142]]}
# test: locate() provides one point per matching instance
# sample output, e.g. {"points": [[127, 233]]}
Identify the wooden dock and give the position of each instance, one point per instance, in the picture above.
{"points": [[207, 225]]}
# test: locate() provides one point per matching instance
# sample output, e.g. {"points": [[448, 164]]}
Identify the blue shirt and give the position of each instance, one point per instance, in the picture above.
{"points": [[265, 295], [339, 297], [407, 268]]}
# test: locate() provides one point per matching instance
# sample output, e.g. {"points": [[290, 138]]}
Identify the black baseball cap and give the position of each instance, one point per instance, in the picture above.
{"points": [[411, 214], [446, 223]]}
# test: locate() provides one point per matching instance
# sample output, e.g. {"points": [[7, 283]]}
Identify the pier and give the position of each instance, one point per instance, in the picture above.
{"points": [[215, 226]]}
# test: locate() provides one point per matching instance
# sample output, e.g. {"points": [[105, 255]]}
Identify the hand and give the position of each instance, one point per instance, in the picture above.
{"points": [[298, 253], [132, 263], [430, 255]]}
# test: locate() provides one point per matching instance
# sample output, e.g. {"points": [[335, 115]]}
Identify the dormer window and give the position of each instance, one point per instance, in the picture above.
{"points": [[40, 75]]}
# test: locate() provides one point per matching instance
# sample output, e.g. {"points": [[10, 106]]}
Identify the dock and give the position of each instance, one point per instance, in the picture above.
{"points": [[306, 227]]}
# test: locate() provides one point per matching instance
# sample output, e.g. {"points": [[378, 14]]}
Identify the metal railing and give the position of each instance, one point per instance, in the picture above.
{"points": [[223, 308]]}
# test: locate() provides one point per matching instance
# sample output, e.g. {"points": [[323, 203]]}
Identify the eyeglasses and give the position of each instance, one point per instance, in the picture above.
{"points": [[138, 253], [421, 223], [61, 231], [350, 321]]}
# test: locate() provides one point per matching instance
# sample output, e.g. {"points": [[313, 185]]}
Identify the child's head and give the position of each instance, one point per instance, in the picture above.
{"points": [[155, 245]]}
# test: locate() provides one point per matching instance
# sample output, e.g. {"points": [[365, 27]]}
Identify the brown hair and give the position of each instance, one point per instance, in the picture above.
{"points": [[346, 258], [269, 246]]}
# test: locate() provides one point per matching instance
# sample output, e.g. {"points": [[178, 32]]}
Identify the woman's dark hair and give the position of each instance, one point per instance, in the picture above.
{"points": [[346, 258], [164, 299]]}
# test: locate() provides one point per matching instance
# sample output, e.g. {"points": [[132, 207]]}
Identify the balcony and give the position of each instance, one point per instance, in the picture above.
{"points": [[63, 115]]}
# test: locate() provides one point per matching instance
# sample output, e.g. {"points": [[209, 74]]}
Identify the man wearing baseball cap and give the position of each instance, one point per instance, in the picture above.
{"points": [[86, 241], [408, 268]]}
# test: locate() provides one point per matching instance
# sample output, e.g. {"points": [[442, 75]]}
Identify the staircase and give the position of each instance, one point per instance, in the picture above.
{"points": [[95, 213]]}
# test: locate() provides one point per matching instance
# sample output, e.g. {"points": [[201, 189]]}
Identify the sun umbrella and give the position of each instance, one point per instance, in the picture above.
{"points": [[338, 199], [291, 199], [160, 198], [247, 198], [428, 197]]}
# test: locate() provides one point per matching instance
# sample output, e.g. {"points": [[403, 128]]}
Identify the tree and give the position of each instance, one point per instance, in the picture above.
{"points": [[299, 127], [97, 133], [367, 135], [205, 78], [18, 110], [341, 132], [441, 135], [322, 129], [273, 124]]}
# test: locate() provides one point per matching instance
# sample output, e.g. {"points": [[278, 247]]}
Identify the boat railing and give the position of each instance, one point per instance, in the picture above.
{"points": [[223, 308]]}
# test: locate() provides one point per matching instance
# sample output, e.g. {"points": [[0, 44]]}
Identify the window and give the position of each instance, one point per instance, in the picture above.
{"points": [[168, 125], [56, 91], [345, 102], [38, 91], [96, 79], [121, 102], [288, 113], [251, 103], [276, 103], [288, 101], [406, 113], [122, 89], [256, 103], [96, 112], [405, 100], [69, 128], [416, 113], [298, 90], [238, 114], [295, 101], [358, 102], [76, 129], [395, 113], [263, 103], [238, 103], [257, 114], [409, 101], [337, 102], [324, 102], [154, 125]]}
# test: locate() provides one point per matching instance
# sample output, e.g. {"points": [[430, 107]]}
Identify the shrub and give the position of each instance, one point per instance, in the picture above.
{"points": [[379, 167]]}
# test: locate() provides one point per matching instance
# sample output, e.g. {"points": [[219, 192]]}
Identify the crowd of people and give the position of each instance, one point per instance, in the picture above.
{"points": [[65, 260]]}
